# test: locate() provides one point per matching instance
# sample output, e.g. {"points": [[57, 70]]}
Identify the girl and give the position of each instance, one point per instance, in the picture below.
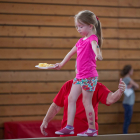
{"points": [[88, 52], [128, 101]]}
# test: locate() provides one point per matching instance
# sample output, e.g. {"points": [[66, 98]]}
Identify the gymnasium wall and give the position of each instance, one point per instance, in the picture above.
{"points": [[34, 31]]}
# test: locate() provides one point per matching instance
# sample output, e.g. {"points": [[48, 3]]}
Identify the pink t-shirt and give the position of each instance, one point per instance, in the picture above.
{"points": [[86, 63]]}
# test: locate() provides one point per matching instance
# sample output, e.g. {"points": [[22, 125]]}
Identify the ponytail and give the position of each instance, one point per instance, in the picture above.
{"points": [[99, 33]]}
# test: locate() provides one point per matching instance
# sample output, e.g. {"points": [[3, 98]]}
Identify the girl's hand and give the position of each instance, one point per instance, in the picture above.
{"points": [[98, 57], [57, 66], [43, 127], [122, 85]]}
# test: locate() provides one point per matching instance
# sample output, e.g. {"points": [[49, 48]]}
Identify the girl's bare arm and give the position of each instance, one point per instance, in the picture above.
{"points": [[134, 84], [67, 58], [96, 50]]}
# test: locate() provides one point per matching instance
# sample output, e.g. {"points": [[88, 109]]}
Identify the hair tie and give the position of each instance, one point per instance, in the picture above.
{"points": [[97, 18]]}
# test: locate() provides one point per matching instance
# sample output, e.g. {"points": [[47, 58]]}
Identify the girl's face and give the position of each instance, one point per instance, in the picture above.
{"points": [[83, 28], [131, 72]]}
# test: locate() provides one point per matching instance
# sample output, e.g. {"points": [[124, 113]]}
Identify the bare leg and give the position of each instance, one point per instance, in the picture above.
{"points": [[87, 102], [73, 96]]}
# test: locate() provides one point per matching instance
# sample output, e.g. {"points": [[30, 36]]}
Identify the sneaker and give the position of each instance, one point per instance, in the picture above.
{"points": [[65, 131], [88, 133]]}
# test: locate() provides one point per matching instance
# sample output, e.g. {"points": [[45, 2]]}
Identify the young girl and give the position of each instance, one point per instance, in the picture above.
{"points": [[88, 52]]}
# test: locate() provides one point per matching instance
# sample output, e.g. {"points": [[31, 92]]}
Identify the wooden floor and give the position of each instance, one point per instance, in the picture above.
{"points": [[135, 136]]}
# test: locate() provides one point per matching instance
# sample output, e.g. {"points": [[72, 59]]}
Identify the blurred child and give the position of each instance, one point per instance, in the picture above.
{"points": [[129, 99]]}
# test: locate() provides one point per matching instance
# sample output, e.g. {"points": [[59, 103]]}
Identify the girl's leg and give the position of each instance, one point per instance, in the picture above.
{"points": [[87, 102], [125, 126], [127, 118], [72, 98], [131, 112]]}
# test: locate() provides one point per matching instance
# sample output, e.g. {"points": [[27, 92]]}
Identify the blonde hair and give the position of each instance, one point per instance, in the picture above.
{"points": [[88, 18]]}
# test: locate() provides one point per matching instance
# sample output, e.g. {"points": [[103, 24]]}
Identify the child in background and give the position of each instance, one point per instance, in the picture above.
{"points": [[88, 52], [128, 101]]}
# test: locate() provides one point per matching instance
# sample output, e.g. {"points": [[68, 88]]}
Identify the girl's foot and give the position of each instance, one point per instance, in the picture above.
{"points": [[88, 133], [65, 131]]}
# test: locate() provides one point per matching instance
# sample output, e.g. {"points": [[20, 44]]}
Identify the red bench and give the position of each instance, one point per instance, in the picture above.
{"points": [[29, 129]]}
